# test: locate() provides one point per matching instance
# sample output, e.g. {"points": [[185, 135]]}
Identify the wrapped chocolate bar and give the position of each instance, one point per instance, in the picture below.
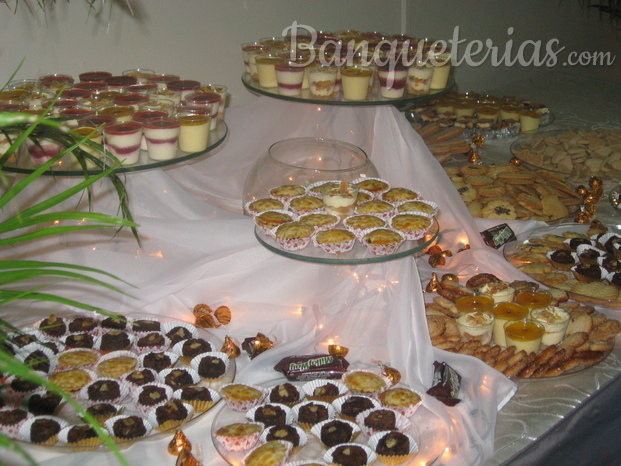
{"points": [[311, 367], [498, 235], [446, 384], [256, 345]]}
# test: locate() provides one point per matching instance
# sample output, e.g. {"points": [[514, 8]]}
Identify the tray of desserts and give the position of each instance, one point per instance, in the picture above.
{"points": [[335, 222], [139, 377], [472, 114], [512, 192], [582, 259], [324, 420], [577, 154], [523, 330]]}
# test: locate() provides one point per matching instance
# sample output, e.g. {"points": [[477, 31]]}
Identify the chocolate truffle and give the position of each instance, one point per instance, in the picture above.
{"points": [[284, 433], [270, 415], [114, 340], [43, 429], [145, 325], [336, 432], [285, 393], [211, 367], [349, 455], [381, 419], [43, 403], [393, 444], [53, 326], [178, 378], [129, 427], [157, 361]]}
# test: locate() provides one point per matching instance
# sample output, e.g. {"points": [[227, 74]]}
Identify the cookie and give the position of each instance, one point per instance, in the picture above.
{"points": [[478, 180], [492, 190], [467, 192], [499, 209], [534, 269]]}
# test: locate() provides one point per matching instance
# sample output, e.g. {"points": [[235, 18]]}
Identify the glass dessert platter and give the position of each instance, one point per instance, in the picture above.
{"points": [[358, 255], [70, 415], [373, 99], [22, 163], [427, 429]]}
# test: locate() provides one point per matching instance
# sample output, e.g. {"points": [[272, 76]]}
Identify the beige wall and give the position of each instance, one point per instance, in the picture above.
{"points": [[200, 39]]}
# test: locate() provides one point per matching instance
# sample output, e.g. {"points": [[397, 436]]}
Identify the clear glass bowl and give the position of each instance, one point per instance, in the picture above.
{"points": [[303, 161]]}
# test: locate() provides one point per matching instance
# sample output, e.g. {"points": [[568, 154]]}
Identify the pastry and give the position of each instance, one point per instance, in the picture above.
{"points": [[241, 397], [117, 366], [402, 400], [239, 436], [270, 415], [382, 241], [312, 413], [103, 411], [82, 435], [364, 382], [157, 361], [71, 380], [200, 398], [373, 185], [262, 205], [146, 325], [179, 333], [43, 403], [354, 405], [128, 427], [336, 432], [38, 360], [394, 448], [192, 347], [177, 378], [82, 324], [399, 195], [271, 453], [271, 219], [286, 394], [349, 455], [44, 431], [116, 322], [375, 206], [284, 433], [320, 221], [425, 207], [361, 223], [152, 395], [103, 390], [305, 204], [335, 240], [294, 236], [411, 226], [381, 419], [140, 377], [287, 191], [114, 340], [171, 414], [53, 326], [79, 340]]}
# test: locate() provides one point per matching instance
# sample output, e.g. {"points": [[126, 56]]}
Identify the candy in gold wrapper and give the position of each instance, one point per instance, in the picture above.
{"points": [[581, 217], [465, 248], [201, 309], [473, 156], [515, 161], [257, 345], [450, 276], [390, 373], [478, 140], [434, 284], [447, 253], [437, 260], [186, 458], [582, 191], [223, 314], [206, 321], [435, 249], [230, 348], [179, 443], [338, 350]]}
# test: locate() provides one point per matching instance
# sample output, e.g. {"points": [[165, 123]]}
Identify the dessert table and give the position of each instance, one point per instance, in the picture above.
{"points": [[198, 247]]}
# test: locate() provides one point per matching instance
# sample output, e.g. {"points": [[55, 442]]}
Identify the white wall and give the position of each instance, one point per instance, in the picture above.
{"points": [[200, 39]]}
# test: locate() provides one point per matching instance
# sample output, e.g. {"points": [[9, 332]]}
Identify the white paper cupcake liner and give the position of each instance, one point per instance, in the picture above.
{"points": [[25, 429], [389, 459], [199, 405], [47, 336], [34, 334], [127, 324], [178, 350], [89, 444], [195, 363], [174, 357], [415, 234], [13, 429], [309, 388], [560, 266], [144, 409], [316, 429], [22, 354], [124, 391], [243, 405], [168, 326], [401, 422], [303, 437], [13, 396], [371, 456], [296, 412], [152, 418], [338, 404], [148, 349], [114, 355], [109, 425], [195, 377], [242, 442], [289, 417]]}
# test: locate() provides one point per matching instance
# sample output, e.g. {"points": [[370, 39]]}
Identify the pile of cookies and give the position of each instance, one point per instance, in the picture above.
{"points": [[588, 340], [576, 152], [511, 192]]}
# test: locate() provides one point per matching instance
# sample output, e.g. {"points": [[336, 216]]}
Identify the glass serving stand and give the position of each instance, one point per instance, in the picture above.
{"points": [[373, 99], [22, 163]]}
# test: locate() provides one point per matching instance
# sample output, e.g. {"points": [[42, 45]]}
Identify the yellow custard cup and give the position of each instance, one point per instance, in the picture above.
{"points": [[474, 303], [505, 312], [533, 299], [524, 334]]}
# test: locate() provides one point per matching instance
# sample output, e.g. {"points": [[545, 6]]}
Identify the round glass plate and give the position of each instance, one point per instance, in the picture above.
{"points": [[373, 98], [69, 414], [358, 255], [427, 429], [549, 158], [23, 165], [513, 247]]}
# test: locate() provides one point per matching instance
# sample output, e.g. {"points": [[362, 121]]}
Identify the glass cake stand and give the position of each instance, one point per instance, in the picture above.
{"points": [[22, 163], [374, 97]]}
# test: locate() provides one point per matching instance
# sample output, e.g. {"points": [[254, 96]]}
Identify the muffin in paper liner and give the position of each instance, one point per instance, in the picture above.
{"points": [[168, 327], [109, 425], [36, 356], [294, 448], [328, 456], [365, 382], [199, 405], [271, 390], [268, 227], [147, 376], [348, 223], [321, 221], [386, 214], [307, 425], [164, 377], [178, 349], [316, 189], [174, 357], [115, 410], [242, 397], [286, 192], [419, 206], [124, 391], [239, 436], [399, 195], [402, 423], [73, 380], [297, 241], [145, 408], [316, 430], [406, 409], [150, 348], [393, 460], [171, 423], [99, 339], [562, 265], [411, 234], [274, 453], [118, 364], [257, 206], [77, 358], [12, 429], [338, 405], [289, 416], [314, 205], [581, 277], [381, 248], [376, 186], [309, 389], [335, 247], [85, 444], [196, 362], [26, 430]]}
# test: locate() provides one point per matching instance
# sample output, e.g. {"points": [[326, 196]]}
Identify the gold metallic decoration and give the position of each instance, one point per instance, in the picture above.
{"points": [[451, 277], [435, 249], [186, 458], [473, 156], [261, 343], [179, 443], [447, 253], [201, 309], [390, 373], [581, 217], [338, 350], [223, 314], [582, 191], [230, 348], [206, 321], [465, 248], [437, 260], [591, 198], [434, 284], [478, 140], [515, 161]]}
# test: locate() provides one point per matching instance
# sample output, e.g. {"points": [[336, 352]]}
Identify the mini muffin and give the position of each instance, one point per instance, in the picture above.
{"points": [[335, 241], [293, 236], [360, 225], [320, 221], [71, 380], [239, 436], [20, 386], [262, 205], [272, 453], [241, 397], [117, 363], [317, 189], [400, 195], [376, 207], [200, 398], [305, 204], [350, 454], [287, 191], [335, 432], [313, 412], [11, 420], [402, 400], [271, 414], [363, 196], [373, 185], [41, 359], [171, 414], [365, 382], [411, 226], [158, 360], [393, 448], [77, 358], [426, 207], [271, 219], [350, 406], [286, 394], [382, 241], [588, 273], [381, 419], [179, 333], [53, 326]]}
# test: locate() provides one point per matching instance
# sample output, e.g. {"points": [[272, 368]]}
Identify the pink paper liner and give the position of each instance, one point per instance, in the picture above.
{"points": [[409, 410], [270, 231], [383, 215], [62, 367], [152, 418], [24, 430], [361, 232], [371, 456], [114, 355], [243, 405], [335, 248], [284, 198], [294, 244], [416, 234], [429, 203], [240, 443], [383, 249], [401, 424], [316, 429], [13, 430], [390, 459], [325, 227], [15, 397], [124, 389], [195, 363], [299, 213], [280, 463], [402, 201], [289, 416]]}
